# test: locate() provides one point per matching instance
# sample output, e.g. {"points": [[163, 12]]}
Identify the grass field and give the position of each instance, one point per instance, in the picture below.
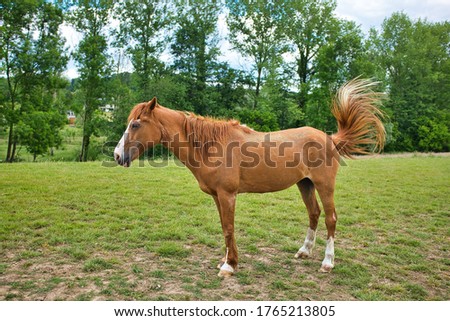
{"points": [[73, 231]]}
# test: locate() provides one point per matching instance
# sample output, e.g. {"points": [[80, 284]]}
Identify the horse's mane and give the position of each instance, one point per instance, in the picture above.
{"points": [[200, 131], [203, 131], [137, 111]]}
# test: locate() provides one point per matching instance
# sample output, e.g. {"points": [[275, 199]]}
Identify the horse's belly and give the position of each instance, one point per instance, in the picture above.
{"points": [[263, 180]]}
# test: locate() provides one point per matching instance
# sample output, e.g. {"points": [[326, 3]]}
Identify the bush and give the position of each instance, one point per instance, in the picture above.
{"points": [[433, 136], [259, 120]]}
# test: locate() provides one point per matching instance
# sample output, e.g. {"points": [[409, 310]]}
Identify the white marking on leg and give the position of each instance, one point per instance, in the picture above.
{"points": [[226, 266], [328, 261], [310, 241]]}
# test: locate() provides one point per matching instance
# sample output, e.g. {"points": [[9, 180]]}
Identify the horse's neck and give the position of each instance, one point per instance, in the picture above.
{"points": [[174, 137]]}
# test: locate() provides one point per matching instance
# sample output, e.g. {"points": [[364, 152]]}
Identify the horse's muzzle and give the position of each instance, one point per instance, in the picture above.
{"points": [[124, 161]]}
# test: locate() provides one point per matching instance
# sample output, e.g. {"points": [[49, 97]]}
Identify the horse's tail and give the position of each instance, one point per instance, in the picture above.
{"points": [[360, 130]]}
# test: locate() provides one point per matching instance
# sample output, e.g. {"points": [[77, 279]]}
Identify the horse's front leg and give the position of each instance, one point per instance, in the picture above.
{"points": [[226, 204], [216, 200]]}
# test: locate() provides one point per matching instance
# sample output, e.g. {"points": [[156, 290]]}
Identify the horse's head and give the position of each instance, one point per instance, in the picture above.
{"points": [[143, 131]]}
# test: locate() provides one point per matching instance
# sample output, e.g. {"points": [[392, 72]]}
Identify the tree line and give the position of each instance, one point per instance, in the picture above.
{"points": [[296, 53]]}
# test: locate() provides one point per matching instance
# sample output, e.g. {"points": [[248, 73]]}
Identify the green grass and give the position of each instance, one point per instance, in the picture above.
{"points": [[73, 231], [97, 264]]}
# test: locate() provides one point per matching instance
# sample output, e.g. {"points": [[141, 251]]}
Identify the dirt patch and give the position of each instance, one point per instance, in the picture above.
{"points": [[140, 275]]}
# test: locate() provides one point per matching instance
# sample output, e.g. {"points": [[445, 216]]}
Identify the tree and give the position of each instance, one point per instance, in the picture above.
{"points": [[90, 18], [255, 32], [39, 130], [195, 50], [308, 29], [34, 61], [278, 100], [230, 92], [337, 61], [415, 58], [41, 103], [15, 40], [141, 33]]}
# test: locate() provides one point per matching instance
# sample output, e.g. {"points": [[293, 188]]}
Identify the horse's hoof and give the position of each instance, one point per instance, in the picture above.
{"points": [[326, 268], [302, 255], [225, 274]]}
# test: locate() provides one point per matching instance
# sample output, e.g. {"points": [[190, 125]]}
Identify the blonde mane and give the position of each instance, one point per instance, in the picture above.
{"points": [[200, 131]]}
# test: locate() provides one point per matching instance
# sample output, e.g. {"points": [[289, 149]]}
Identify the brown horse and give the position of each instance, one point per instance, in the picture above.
{"points": [[227, 158]]}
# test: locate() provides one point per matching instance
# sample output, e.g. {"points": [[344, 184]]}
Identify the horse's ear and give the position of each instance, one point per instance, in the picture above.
{"points": [[152, 103]]}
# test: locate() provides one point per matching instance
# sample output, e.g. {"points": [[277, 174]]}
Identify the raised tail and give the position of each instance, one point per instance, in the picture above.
{"points": [[360, 129]]}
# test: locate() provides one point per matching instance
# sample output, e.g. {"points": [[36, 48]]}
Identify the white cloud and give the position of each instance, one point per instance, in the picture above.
{"points": [[372, 13], [228, 54], [71, 73], [72, 36]]}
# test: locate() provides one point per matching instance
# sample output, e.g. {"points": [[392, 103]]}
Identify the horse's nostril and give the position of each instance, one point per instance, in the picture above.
{"points": [[126, 161], [116, 157]]}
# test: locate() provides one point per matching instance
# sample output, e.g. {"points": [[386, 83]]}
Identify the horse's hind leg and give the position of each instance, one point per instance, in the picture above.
{"points": [[326, 193], [308, 192]]}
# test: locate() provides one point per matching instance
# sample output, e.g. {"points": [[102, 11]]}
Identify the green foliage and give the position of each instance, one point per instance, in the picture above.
{"points": [[258, 119], [318, 112], [40, 130], [195, 51], [33, 58], [230, 90], [415, 57], [195, 44], [433, 135], [122, 98], [90, 18], [300, 53], [256, 32], [308, 26], [276, 99], [141, 34]]}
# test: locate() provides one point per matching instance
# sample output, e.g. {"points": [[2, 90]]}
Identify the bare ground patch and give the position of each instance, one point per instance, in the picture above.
{"points": [[137, 274]]}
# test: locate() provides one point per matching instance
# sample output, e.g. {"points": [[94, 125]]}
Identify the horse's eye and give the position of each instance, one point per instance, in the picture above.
{"points": [[135, 125]]}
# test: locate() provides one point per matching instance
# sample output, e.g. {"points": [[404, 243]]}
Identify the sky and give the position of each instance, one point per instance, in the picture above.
{"points": [[371, 13], [366, 13]]}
